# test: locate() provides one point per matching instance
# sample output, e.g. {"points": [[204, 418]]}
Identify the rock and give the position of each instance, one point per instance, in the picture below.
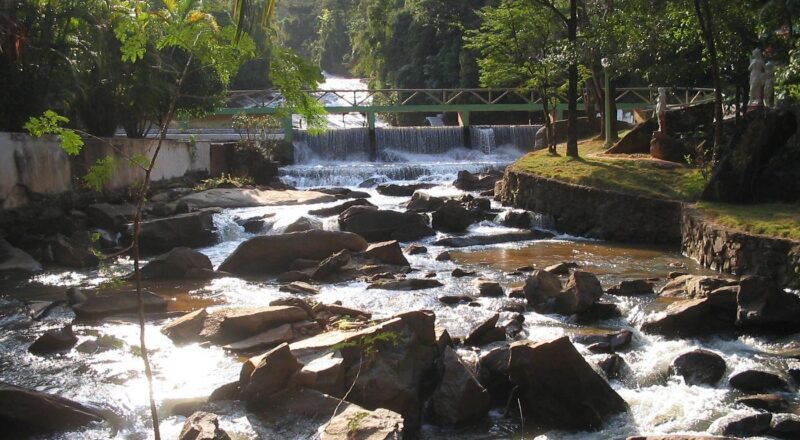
{"points": [[461, 273], [749, 426], [406, 284], [493, 374], [455, 299], [186, 328], [388, 252], [202, 426], [424, 202], [73, 252], [122, 303], [248, 197], [331, 265], [699, 367], [540, 287], [785, 426], [680, 437], [667, 148], [693, 286], [516, 219], [16, 260], [484, 332], [394, 190], [612, 342], [178, 263], [467, 181], [416, 249], [580, 292], [694, 317], [275, 253], [303, 224], [452, 217], [559, 389], [270, 338], [381, 225], [561, 268], [754, 381], [459, 399], [338, 209], [631, 288], [598, 311], [356, 423], [488, 287], [264, 375], [325, 374], [293, 276], [482, 240], [612, 366], [27, 412], [54, 341], [108, 216], [227, 325], [636, 141], [299, 287], [193, 230], [444, 256], [762, 306], [517, 292], [765, 402], [254, 226]]}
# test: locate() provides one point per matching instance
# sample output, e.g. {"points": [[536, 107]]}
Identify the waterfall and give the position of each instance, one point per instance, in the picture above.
{"points": [[484, 139], [226, 227], [521, 137], [333, 144], [420, 140]]}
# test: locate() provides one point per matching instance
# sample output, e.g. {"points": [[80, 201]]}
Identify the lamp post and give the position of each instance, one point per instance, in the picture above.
{"points": [[605, 62]]}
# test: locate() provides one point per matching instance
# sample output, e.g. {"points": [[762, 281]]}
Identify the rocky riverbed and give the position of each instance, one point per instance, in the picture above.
{"points": [[433, 311]]}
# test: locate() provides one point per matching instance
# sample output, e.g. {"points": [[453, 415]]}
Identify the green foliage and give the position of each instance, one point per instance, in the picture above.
{"points": [[370, 345], [100, 173], [773, 219], [354, 422], [51, 122], [223, 181], [292, 75]]}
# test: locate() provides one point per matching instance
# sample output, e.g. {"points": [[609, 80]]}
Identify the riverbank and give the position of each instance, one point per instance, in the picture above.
{"points": [[633, 199]]}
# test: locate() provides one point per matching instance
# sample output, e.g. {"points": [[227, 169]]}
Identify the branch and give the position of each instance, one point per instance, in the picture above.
{"points": [[551, 6]]}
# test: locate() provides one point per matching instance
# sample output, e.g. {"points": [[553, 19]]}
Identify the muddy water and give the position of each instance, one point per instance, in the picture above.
{"points": [[106, 371]]}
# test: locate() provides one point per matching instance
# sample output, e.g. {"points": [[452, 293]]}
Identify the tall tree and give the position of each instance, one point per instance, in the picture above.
{"points": [[705, 18]]}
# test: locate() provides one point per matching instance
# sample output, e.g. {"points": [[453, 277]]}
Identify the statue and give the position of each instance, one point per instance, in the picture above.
{"points": [[769, 85], [757, 77], [661, 110]]}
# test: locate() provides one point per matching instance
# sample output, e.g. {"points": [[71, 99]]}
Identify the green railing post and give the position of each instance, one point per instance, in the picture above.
{"points": [[288, 129], [373, 139]]}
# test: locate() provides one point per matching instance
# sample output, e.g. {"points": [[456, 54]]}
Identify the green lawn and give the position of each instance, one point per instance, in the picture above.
{"points": [[773, 219], [629, 174]]}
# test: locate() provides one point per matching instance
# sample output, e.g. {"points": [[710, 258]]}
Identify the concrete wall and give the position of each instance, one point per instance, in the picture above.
{"points": [[38, 165]]}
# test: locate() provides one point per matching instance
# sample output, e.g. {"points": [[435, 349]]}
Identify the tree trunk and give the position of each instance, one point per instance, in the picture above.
{"points": [[572, 94], [612, 92], [704, 17]]}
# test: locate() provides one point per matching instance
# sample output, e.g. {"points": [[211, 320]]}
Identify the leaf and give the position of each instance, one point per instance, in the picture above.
{"points": [[100, 173], [140, 160], [71, 142]]}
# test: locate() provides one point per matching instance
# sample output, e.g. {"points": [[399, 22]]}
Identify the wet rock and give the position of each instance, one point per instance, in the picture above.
{"points": [[754, 381], [27, 412], [268, 339], [631, 288], [274, 253], [186, 328], [303, 264], [303, 224], [785, 426], [488, 287], [452, 217], [459, 399], [251, 197], [122, 303], [612, 366], [749, 426], [762, 306], [16, 260], [493, 374], [461, 273], [193, 230], [693, 286], [73, 252], [108, 216], [455, 299], [516, 219], [338, 209], [485, 332], [562, 268], [598, 311], [580, 292], [481, 240], [388, 252], [54, 341], [296, 302], [765, 402], [424, 202], [228, 391], [517, 292], [228, 325], [680, 437], [178, 263], [325, 374], [467, 181], [406, 284], [416, 249], [264, 375], [700, 316], [444, 256], [299, 287], [609, 342], [202, 426], [559, 389], [540, 287], [699, 367], [356, 423], [443, 339], [331, 265], [394, 190], [293, 276], [381, 225]]}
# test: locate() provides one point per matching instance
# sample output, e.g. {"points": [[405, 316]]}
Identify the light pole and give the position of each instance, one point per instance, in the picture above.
{"points": [[605, 62]]}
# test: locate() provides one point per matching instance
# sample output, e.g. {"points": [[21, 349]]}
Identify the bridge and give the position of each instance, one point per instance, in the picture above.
{"points": [[461, 101]]}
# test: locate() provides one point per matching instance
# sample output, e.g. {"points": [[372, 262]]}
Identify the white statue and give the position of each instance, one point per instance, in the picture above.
{"points": [[661, 109], [769, 85], [757, 78]]}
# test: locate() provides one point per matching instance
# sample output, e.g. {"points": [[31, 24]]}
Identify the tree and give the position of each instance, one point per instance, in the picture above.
{"points": [[706, 21]]}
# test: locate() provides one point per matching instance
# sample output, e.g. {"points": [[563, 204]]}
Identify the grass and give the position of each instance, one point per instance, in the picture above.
{"points": [[773, 219], [633, 174]]}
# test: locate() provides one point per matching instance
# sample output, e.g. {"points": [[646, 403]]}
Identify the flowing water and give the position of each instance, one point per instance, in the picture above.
{"points": [[111, 376]]}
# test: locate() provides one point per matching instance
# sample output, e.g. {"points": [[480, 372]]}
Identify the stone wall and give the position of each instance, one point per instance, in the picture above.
{"points": [[737, 252], [590, 212]]}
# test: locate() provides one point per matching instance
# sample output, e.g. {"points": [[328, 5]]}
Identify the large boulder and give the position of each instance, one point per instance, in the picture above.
{"points": [[559, 389], [331, 265], [636, 141], [394, 190], [54, 341], [74, 251], [181, 262], [26, 412], [452, 217], [540, 287], [338, 209], [696, 317], [459, 399], [667, 148], [275, 253], [265, 375], [699, 367], [16, 260], [694, 286], [194, 230], [122, 303], [755, 381], [202, 426], [108, 216], [467, 181], [406, 284], [631, 288], [388, 252], [424, 202], [580, 293], [382, 225], [303, 223], [248, 327], [359, 423], [763, 306]]}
